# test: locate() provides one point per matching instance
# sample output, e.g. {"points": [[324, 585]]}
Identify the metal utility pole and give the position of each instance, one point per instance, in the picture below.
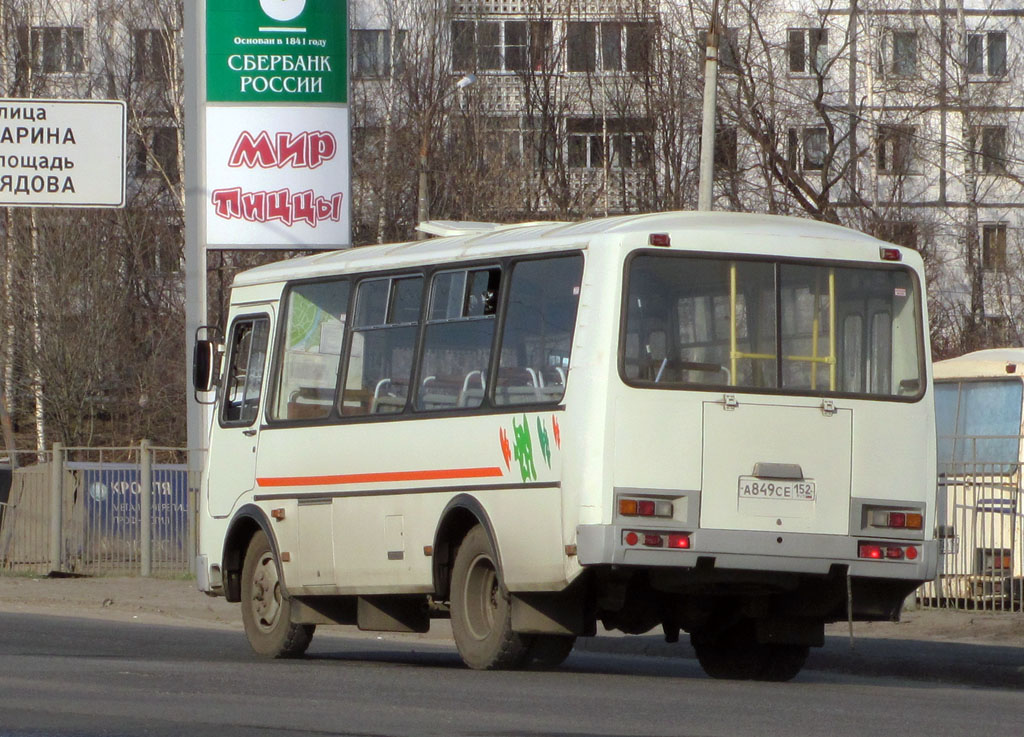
{"points": [[707, 132], [423, 188]]}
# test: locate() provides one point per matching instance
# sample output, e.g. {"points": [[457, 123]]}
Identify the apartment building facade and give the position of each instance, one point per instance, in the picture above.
{"points": [[899, 117]]}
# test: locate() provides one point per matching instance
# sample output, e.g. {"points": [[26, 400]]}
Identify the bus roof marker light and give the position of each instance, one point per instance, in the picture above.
{"points": [[662, 240], [888, 253]]}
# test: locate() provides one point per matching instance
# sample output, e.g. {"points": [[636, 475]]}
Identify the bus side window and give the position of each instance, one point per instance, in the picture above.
{"points": [[458, 338], [387, 314], [537, 337], [244, 380], [311, 350]]}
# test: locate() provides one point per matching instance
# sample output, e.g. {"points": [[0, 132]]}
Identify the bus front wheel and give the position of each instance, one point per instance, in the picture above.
{"points": [[482, 609], [266, 611]]}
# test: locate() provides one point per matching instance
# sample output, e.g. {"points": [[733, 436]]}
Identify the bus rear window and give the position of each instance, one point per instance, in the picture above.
{"points": [[761, 325]]}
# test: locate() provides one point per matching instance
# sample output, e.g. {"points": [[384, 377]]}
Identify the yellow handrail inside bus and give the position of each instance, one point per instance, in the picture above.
{"points": [[814, 359]]}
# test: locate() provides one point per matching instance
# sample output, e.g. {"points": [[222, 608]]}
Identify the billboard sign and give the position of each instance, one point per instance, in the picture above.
{"points": [[62, 153], [288, 51], [275, 124], [276, 176]]}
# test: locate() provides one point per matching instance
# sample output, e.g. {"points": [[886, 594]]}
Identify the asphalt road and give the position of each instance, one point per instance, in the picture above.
{"points": [[85, 678]]}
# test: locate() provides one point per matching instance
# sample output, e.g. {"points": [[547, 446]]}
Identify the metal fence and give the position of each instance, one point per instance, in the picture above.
{"points": [[981, 531], [128, 511], [133, 511]]}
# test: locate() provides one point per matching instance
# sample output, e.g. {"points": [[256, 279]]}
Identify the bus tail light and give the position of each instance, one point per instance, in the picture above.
{"points": [[648, 539], [879, 551], [896, 520], [996, 561], [644, 508], [679, 541]]}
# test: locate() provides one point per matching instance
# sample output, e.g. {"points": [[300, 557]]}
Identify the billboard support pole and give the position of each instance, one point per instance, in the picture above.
{"points": [[195, 254], [146, 507]]}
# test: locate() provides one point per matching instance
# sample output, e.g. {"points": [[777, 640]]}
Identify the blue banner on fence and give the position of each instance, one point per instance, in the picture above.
{"points": [[113, 496]]}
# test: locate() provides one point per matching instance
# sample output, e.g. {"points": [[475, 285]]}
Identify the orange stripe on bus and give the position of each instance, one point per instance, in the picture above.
{"points": [[383, 477]]}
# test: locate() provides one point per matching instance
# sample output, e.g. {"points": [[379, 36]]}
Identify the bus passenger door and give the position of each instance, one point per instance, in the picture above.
{"points": [[234, 439]]}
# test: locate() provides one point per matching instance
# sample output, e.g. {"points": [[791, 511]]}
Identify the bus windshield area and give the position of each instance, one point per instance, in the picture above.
{"points": [[719, 323], [978, 421]]}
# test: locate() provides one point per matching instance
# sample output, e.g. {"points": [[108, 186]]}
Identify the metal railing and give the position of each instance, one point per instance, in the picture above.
{"points": [[980, 525], [133, 511], [127, 511]]}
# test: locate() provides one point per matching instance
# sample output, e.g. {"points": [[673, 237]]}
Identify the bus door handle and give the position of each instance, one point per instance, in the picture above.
{"points": [[251, 432]]}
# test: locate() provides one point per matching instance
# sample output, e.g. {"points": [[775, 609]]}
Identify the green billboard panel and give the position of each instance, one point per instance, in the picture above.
{"points": [[280, 51]]}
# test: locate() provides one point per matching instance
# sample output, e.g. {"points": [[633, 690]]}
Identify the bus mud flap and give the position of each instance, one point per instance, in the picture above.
{"points": [[544, 613], [393, 614]]}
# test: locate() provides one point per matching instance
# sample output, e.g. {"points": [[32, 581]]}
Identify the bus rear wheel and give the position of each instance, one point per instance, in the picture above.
{"points": [[266, 611], [737, 655], [482, 609], [550, 651]]}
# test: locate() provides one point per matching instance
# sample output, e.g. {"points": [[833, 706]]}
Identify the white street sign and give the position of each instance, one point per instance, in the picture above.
{"points": [[62, 153]]}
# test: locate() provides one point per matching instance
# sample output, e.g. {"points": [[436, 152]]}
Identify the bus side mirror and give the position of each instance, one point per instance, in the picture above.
{"points": [[204, 355], [204, 365]]}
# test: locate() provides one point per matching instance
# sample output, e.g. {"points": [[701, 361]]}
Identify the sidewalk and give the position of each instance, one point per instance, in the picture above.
{"points": [[177, 602]]}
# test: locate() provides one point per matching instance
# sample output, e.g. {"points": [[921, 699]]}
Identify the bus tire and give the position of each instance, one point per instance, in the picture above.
{"points": [[782, 662], [737, 655], [728, 661], [550, 651], [481, 608], [266, 611]]}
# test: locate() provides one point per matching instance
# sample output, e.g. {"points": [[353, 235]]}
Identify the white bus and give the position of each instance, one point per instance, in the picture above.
{"points": [[715, 423], [978, 401]]}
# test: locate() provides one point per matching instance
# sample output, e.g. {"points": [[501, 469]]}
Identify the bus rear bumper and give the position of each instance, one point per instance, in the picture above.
{"points": [[799, 553]]}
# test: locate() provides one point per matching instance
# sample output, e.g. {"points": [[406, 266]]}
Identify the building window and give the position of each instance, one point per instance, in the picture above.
{"points": [[986, 53], [527, 45], [900, 232], [58, 49], [589, 141], [992, 139], [895, 149], [631, 150], [541, 147], [580, 47], [151, 54], [900, 54], [993, 247], [157, 155], [808, 48], [586, 144], [373, 52], [496, 46], [609, 46], [807, 148]]}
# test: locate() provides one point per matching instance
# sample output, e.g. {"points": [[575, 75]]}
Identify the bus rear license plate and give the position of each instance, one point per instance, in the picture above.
{"points": [[752, 487]]}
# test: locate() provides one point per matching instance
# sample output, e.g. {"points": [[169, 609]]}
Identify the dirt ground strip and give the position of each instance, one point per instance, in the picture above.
{"points": [[167, 601]]}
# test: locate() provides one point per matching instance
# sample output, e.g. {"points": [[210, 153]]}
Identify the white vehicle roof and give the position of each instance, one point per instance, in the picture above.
{"points": [[499, 240], [992, 362]]}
